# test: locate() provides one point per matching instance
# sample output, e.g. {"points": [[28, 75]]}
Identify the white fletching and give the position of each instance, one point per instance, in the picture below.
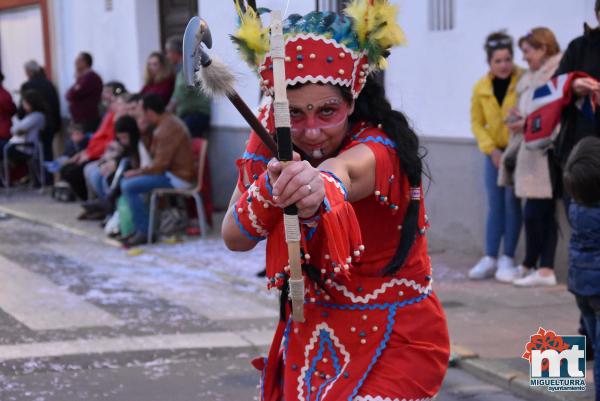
{"points": [[216, 79]]}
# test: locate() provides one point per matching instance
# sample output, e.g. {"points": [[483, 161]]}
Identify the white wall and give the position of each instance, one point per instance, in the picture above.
{"points": [[119, 39], [431, 79], [21, 40]]}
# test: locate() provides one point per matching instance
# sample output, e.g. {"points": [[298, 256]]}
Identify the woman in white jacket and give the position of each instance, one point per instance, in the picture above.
{"points": [[26, 131], [531, 176]]}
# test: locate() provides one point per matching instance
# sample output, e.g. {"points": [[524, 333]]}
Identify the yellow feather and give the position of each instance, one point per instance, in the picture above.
{"points": [[252, 33], [375, 25]]}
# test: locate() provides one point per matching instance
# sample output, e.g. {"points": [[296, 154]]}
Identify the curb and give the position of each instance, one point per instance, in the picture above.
{"points": [[501, 375]]}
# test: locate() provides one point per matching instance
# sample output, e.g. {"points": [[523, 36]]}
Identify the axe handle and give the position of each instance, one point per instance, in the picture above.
{"points": [[251, 119]]}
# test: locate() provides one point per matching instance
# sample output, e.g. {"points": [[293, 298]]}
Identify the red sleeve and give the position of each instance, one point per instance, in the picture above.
{"points": [[256, 154], [102, 137]]}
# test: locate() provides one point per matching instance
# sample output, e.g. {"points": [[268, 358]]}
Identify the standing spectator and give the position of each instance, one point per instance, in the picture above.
{"points": [[532, 180], [159, 77], [582, 182], [84, 95], [494, 96], [188, 103], [172, 164], [7, 110], [27, 130], [37, 80]]}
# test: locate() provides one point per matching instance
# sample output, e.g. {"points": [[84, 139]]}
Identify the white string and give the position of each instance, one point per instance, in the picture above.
{"points": [[285, 13]]}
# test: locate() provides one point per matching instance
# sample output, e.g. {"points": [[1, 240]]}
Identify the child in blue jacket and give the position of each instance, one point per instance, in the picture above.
{"points": [[582, 182]]}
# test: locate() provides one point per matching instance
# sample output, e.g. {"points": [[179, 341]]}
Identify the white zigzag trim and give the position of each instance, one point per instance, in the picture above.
{"points": [[318, 79], [380, 398], [309, 347], [254, 222], [255, 192], [266, 103], [382, 289], [305, 36], [334, 182]]}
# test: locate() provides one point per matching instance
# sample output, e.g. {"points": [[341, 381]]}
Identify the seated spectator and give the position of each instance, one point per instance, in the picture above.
{"points": [[73, 171], [76, 143], [26, 132], [188, 103], [111, 90], [7, 110], [128, 139], [172, 164], [159, 78]]}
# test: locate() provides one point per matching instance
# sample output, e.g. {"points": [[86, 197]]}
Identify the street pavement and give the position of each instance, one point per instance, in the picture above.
{"points": [[81, 319]]}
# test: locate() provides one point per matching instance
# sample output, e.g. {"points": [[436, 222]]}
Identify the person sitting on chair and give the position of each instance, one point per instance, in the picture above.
{"points": [[172, 164]]}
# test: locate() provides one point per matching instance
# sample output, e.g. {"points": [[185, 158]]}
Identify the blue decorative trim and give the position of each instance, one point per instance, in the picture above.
{"points": [[255, 157], [327, 205], [243, 229], [286, 335], [377, 139], [383, 306], [378, 351], [339, 181], [311, 232], [324, 341], [336, 366], [268, 184]]}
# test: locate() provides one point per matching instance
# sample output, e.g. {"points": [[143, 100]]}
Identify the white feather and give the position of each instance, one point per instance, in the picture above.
{"points": [[216, 79]]}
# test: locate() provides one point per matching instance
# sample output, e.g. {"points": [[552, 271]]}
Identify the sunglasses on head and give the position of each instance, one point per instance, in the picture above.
{"points": [[499, 42]]}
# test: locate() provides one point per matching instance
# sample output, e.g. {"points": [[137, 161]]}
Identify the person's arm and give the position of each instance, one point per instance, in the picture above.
{"points": [[166, 148], [84, 87], [31, 121], [355, 168], [482, 135]]}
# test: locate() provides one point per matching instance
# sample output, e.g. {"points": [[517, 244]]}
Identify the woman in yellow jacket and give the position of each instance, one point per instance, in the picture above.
{"points": [[494, 96]]}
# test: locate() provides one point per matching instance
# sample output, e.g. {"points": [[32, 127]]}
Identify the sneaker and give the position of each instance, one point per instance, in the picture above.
{"points": [[523, 271], [485, 268], [507, 272], [536, 280]]}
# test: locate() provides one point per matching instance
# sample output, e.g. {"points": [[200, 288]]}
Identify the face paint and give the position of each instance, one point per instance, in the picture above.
{"points": [[328, 114]]}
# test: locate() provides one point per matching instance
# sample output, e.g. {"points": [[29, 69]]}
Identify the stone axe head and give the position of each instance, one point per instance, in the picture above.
{"points": [[196, 33]]}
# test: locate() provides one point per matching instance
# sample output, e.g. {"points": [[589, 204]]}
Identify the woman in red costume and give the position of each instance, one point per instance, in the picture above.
{"points": [[374, 329]]}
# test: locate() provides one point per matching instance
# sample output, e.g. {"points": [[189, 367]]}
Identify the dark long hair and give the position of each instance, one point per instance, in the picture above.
{"points": [[128, 125], [35, 100], [373, 107]]}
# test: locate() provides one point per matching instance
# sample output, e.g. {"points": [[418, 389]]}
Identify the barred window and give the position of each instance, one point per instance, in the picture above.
{"points": [[441, 15]]}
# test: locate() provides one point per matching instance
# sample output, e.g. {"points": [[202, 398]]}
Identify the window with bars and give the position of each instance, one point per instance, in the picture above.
{"points": [[441, 15]]}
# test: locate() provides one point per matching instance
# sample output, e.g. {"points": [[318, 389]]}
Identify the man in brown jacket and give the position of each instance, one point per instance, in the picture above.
{"points": [[172, 164]]}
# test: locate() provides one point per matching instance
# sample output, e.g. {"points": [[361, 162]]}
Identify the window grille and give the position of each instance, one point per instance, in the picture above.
{"points": [[441, 15]]}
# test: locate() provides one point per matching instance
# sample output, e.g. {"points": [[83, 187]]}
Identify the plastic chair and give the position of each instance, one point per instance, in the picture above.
{"points": [[194, 193], [35, 163]]}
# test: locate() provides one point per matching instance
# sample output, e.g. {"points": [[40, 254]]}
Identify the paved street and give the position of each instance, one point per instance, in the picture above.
{"points": [[81, 320]]}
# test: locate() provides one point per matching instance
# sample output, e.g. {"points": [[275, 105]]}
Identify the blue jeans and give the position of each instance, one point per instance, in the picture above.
{"points": [[96, 180], [504, 214], [590, 311], [134, 189]]}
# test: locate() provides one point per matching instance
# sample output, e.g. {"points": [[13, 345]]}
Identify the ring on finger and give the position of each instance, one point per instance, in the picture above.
{"points": [[309, 188]]}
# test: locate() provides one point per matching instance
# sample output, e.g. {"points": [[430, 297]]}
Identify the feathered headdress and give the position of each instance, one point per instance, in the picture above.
{"points": [[323, 47]]}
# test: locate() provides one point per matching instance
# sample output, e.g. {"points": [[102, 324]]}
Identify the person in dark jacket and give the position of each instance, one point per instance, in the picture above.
{"points": [[84, 96], [7, 110], [37, 81], [582, 54], [582, 183]]}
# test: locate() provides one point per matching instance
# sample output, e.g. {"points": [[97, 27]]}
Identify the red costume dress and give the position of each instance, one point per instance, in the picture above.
{"points": [[365, 335]]}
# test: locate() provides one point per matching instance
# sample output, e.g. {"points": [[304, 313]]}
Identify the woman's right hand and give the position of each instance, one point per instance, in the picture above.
{"points": [[496, 156], [585, 86]]}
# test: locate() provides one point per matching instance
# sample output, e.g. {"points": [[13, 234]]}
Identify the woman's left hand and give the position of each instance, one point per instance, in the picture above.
{"points": [[517, 126], [298, 183]]}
